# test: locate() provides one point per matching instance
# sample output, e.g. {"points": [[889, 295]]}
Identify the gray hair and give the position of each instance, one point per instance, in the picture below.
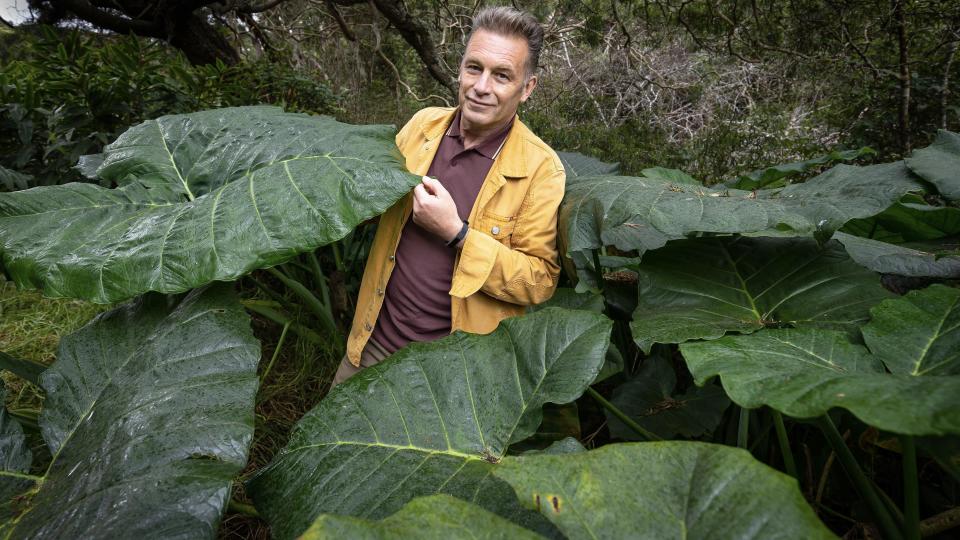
{"points": [[507, 21]]}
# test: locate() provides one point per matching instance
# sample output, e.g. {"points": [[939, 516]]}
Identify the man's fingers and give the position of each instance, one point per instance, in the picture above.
{"points": [[432, 185]]}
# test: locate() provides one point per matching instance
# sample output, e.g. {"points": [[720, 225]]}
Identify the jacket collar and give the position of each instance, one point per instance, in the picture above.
{"points": [[511, 160]]}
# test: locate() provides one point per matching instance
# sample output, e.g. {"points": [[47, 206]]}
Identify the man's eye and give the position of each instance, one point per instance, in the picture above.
{"points": [[503, 77], [473, 69]]}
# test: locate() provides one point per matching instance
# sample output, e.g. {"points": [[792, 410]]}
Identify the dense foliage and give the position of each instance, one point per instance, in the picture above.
{"points": [[693, 298], [760, 344]]}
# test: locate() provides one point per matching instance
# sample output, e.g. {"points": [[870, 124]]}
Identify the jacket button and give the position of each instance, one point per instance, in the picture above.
{"points": [[392, 258], [367, 327], [495, 230], [380, 292]]}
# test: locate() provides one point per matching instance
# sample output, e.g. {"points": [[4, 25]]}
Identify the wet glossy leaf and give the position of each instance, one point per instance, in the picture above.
{"points": [[806, 372], [662, 490], [939, 163], [649, 399], [674, 176], [930, 259], [910, 220], [433, 418], [205, 196], [576, 165], [567, 298], [704, 288], [919, 333], [643, 214], [148, 415], [440, 517], [762, 178], [15, 460]]}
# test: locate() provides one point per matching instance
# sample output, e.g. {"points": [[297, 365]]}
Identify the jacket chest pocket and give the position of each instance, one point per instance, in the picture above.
{"points": [[497, 226]]}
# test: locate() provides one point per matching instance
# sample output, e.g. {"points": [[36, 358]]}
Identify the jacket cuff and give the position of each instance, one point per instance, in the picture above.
{"points": [[477, 257]]}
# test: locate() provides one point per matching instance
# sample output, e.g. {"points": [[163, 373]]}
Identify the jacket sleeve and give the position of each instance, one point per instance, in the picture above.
{"points": [[526, 272]]}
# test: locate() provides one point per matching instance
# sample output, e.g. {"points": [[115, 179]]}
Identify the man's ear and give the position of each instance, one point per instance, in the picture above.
{"points": [[528, 87]]}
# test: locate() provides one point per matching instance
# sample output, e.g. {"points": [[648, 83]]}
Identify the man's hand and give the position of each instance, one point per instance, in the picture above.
{"points": [[434, 209]]}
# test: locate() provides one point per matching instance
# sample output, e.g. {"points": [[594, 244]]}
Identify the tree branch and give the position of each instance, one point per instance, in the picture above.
{"points": [[418, 36], [114, 23]]}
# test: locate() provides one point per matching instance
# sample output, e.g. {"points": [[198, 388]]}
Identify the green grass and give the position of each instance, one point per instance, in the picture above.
{"points": [[30, 328]]}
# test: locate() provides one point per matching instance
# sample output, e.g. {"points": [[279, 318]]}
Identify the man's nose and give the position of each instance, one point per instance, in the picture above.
{"points": [[482, 86]]}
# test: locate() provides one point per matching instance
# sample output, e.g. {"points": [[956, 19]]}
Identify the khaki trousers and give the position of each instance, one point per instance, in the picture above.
{"points": [[372, 354]]}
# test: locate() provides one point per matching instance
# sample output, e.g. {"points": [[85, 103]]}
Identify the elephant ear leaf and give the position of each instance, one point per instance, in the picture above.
{"points": [[939, 259], [15, 460], [939, 163], [704, 288], [577, 165], [162, 389], [439, 517], [206, 196], [433, 418], [918, 334], [662, 490], [805, 372]]}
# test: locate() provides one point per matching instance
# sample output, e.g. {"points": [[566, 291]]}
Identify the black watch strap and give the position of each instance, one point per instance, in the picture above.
{"points": [[463, 232]]}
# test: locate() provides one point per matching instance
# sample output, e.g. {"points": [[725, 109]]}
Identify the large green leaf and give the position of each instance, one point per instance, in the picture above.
{"points": [[576, 164], [663, 490], [649, 399], [806, 372], [910, 220], [440, 517], [706, 287], [768, 176], [205, 196], [643, 214], [939, 164], [931, 259], [148, 415], [433, 418], [674, 176], [15, 460], [918, 334]]}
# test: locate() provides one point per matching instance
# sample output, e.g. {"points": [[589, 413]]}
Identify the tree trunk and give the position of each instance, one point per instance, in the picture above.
{"points": [[200, 42], [945, 83], [900, 19]]}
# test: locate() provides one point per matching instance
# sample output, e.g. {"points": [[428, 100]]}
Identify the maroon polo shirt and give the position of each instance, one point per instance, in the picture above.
{"points": [[416, 304]]}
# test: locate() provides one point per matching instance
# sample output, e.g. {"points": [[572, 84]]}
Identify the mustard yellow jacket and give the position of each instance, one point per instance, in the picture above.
{"points": [[509, 258]]}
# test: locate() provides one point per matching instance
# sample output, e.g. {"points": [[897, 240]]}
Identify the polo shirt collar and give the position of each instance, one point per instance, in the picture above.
{"points": [[512, 158], [490, 146]]}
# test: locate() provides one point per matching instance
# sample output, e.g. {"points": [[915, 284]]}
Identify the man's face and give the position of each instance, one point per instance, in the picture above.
{"points": [[493, 80]]}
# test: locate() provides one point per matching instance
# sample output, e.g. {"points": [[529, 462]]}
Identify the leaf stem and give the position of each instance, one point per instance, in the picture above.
{"points": [[860, 481], [788, 461], [598, 270], [911, 491], [622, 416], [322, 311], [279, 318], [276, 352], [319, 278]]}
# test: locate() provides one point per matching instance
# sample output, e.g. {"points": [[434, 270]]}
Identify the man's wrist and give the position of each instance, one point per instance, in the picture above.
{"points": [[461, 234]]}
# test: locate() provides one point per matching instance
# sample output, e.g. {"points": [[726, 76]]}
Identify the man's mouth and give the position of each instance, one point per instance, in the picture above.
{"points": [[479, 104]]}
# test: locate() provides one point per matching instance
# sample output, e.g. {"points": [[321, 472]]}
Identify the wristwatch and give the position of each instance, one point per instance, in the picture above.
{"points": [[463, 232]]}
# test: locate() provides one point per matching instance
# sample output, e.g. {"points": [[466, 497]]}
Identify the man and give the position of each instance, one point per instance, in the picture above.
{"points": [[476, 241]]}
